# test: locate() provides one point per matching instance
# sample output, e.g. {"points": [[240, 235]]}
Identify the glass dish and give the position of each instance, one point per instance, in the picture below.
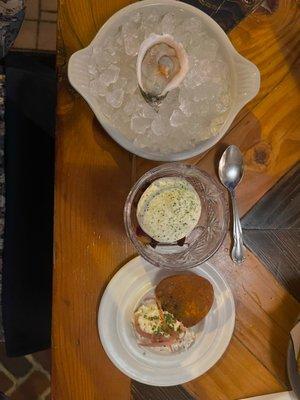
{"points": [[206, 237]]}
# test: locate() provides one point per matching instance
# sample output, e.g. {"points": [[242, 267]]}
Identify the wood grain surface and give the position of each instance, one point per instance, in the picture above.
{"points": [[265, 313], [272, 230], [93, 177], [139, 391]]}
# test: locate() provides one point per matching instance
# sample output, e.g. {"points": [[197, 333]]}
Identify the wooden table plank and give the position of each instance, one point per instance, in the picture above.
{"points": [[272, 230], [140, 391], [93, 176], [279, 208], [238, 374], [258, 283], [92, 181], [279, 250], [271, 41]]}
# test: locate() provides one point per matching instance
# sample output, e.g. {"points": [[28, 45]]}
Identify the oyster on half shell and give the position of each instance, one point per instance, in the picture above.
{"points": [[162, 64]]}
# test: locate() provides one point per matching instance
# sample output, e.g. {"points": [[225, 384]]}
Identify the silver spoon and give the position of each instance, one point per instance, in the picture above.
{"points": [[231, 169]]}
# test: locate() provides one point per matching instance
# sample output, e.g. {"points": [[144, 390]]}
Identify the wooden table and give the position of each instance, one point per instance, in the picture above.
{"points": [[93, 177]]}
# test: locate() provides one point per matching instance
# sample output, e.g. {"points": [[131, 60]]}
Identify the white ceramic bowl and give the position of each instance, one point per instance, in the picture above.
{"points": [[245, 77]]}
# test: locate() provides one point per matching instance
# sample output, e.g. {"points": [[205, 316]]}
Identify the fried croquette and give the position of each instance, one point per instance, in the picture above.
{"points": [[188, 297]]}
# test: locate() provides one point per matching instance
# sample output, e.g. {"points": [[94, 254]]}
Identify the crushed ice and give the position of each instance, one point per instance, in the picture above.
{"points": [[189, 114]]}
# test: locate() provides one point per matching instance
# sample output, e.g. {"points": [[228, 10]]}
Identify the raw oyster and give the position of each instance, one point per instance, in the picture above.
{"points": [[162, 64]]}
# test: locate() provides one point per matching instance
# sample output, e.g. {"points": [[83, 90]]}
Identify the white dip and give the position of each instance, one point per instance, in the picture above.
{"points": [[169, 209]]}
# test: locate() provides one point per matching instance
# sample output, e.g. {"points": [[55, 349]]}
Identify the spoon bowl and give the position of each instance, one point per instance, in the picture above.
{"points": [[231, 167]]}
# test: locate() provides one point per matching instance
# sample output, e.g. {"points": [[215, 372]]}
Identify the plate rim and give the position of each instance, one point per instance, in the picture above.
{"points": [[215, 359]]}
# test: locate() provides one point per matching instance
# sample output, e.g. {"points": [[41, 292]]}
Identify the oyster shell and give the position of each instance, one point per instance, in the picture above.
{"points": [[162, 64]]}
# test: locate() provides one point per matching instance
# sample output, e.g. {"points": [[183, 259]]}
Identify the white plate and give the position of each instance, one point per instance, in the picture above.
{"points": [[118, 303]]}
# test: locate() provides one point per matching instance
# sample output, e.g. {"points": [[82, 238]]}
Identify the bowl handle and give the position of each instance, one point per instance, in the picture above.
{"points": [[78, 73], [248, 80]]}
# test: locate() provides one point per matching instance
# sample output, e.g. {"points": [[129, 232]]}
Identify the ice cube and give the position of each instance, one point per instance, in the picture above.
{"points": [[169, 103], [97, 88], [105, 57], [200, 133], [120, 83], [109, 55], [131, 105], [190, 79], [119, 38], [130, 74], [159, 125], [136, 17], [186, 40], [110, 75], [176, 143], [106, 108], [92, 70], [192, 25], [132, 44], [222, 104], [115, 97], [129, 27], [204, 47], [131, 86], [195, 54], [122, 121], [140, 141], [186, 106], [108, 42], [220, 72], [168, 23], [151, 19], [96, 50], [207, 90], [209, 49], [203, 107], [200, 72], [139, 124], [185, 101], [206, 134], [177, 118], [146, 110], [98, 58], [216, 124], [131, 38], [198, 124], [150, 24], [183, 37]]}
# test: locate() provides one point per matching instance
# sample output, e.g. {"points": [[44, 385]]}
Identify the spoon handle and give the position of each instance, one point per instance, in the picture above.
{"points": [[238, 250]]}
